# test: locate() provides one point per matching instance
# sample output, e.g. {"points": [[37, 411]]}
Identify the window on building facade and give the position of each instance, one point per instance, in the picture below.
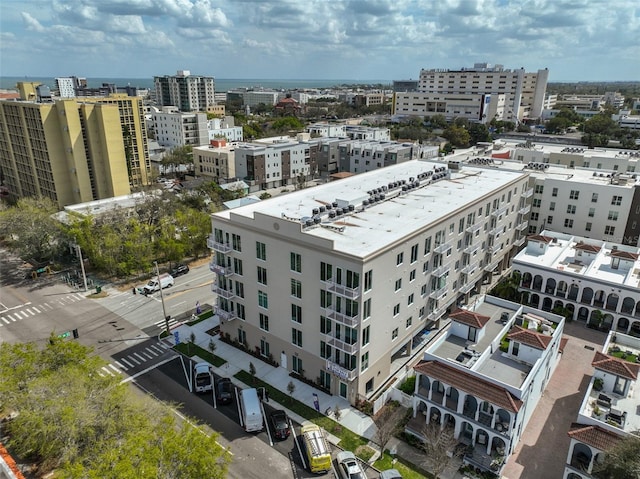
{"points": [[264, 322], [296, 262], [554, 192], [261, 251], [427, 245], [588, 226], [296, 313], [594, 197], [568, 223], [368, 280], [396, 309], [616, 200], [296, 337], [326, 271], [236, 244], [412, 275], [394, 334], [609, 230], [552, 206], [408, 322], [263, 300], [613, 216], [296, 364], [549, 220], [398, 284], [296, 288], [399, 258], [571, 209], [365, 336], [574, 194], [262, 275]]}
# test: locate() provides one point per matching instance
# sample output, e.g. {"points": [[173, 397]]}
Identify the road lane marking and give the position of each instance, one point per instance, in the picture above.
{"points": [[131, 378]]}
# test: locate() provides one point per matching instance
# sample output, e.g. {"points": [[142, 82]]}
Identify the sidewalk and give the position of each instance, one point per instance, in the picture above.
{"points": [[279, 378]]}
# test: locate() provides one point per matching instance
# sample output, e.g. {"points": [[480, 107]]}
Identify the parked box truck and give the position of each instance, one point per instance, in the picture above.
{"points": [[251, 411]]}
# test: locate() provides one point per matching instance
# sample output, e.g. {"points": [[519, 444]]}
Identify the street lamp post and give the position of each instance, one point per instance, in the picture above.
{"points": [[164, 310]]}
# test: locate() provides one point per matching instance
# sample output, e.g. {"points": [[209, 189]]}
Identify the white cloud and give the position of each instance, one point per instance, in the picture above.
{"points": [[31, 23]]}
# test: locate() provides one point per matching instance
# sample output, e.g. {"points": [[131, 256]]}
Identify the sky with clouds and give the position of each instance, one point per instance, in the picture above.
{"points": [[590, 40]]}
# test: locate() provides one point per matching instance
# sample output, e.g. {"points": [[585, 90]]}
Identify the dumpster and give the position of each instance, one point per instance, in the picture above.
{"points": [[98, 289]]}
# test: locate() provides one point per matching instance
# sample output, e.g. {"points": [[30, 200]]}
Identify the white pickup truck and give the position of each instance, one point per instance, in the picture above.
{"points": [[155, 284]]}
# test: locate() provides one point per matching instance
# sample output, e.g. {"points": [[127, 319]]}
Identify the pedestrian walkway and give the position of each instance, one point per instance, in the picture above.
{"points": [[279, 378], [27, 310]]}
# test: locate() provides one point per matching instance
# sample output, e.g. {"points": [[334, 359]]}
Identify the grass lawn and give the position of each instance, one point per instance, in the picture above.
{"points": [[622, 355], [195, 350], [385, 462]]}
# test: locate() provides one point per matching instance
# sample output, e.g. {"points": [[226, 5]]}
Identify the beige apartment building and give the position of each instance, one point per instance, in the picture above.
{"points": [[68, 151], [335, 282]]}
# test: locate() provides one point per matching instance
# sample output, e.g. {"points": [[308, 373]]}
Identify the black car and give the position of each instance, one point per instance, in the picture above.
{"points": [[280, 423], [179, 269], [224, 391]]}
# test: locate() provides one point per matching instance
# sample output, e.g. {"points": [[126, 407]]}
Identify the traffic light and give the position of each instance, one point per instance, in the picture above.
{"points": [[75, 333]]}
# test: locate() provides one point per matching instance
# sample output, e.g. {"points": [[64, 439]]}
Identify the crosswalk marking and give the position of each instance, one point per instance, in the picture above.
{"points": [[156, 348], [36, 310], [5, 320], [114, 368], [11, 317], [120, 365], [48, 305], [140, 357], [22, 313], [30, 312], [152, 352], [134, 360], [127, 362], [106, 370], [147, 355]]}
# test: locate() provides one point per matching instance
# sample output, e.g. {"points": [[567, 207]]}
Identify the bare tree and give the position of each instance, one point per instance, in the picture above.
{"points": [[439, 446], [388, 422]]}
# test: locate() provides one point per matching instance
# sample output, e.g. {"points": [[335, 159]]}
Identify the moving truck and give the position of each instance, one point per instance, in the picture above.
{"points": [[155, 284], [317, 447], [251, 411], [202, 377]]}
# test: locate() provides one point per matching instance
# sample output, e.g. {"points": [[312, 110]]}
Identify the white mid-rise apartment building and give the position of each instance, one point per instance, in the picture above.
{"points": [[225, 128], [216, 161], [253, 98], [175, 128], [330, 282], [478, 107], [485, 376], [357, 132], [185, 91], [609, 410], [66, 87], [524, 92], [592, 281], [334, 130]]}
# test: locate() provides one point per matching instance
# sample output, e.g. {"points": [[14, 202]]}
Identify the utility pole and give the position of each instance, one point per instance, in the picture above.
{"points": [[164, 311], [84, 276]]}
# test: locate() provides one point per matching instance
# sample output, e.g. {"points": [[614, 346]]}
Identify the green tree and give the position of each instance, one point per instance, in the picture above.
{"points": [[622, 461], [479, 132], [457, 136], [438, 121], [29, 228], [557, 124]]}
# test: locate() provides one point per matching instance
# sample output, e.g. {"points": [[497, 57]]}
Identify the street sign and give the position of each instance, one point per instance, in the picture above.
{"points": [[176, 336]]}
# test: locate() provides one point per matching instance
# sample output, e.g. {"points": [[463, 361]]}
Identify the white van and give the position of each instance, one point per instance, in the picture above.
{"points": [[203, 379], [164, 281], [251, 411]]}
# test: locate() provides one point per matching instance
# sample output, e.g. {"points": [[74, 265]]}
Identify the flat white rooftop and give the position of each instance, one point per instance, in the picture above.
{"points": [[561, 255], [368, 229]]}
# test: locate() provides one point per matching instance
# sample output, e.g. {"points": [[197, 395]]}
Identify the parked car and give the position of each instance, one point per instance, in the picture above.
{"points": [[224, 391], [349, 467], [280, 423], [390, 474], [179, 269]]}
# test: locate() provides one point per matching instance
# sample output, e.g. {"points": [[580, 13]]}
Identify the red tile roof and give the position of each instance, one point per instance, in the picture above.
{"points": [[616, 366], [593, 436], [469, 318], [563, 343], [616, 253], [540, 238], [470, 384], [588, 247], [529, 337]]}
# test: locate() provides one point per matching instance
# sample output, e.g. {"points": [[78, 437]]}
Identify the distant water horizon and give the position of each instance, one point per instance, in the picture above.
{"points": [[222, 84]]}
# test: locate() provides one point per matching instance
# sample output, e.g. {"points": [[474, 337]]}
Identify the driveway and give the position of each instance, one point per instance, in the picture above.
{"points": [[542, 450]]}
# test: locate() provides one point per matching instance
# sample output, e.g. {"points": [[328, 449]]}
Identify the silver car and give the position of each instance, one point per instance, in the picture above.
{"points": [[349, 467], [390, 474]]}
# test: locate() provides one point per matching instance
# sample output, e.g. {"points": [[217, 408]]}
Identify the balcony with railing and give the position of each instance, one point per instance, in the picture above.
{"points": [[470, 268], [494, 248], [214, 245], [493, 265], [524, 210], [522, 226], [224, 315], [441, 248], [497, 230], [472, 248], [342, 290], [438, 293], [465, 288], [340, 370], [219, 269], [343, 318], [520, 241], [473, 228], [342, 345], [528, 193], [223, 293], [441, 270], [500, 211], [436, 314]]}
